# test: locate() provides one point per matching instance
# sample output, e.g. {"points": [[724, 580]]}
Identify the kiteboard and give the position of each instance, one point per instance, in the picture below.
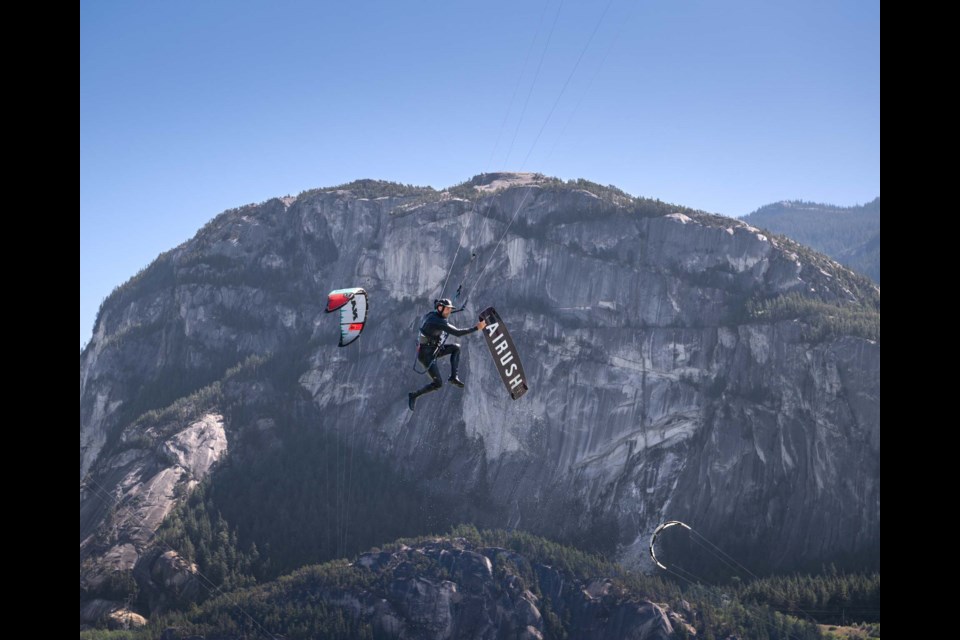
{"points": [[504, 352]]}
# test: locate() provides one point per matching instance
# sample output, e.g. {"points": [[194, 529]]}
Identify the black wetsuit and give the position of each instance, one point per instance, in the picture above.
{"points": [[432, 348]]}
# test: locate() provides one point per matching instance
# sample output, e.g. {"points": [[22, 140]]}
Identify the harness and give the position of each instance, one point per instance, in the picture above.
{"points": [[428, 347]]}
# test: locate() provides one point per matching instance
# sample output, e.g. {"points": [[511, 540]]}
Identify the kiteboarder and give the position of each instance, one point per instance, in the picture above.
{"points": [[434, 329]]}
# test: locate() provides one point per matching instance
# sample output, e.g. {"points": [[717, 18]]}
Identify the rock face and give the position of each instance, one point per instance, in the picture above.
{"points": [[439, 589], [122, 507], [477, 601], [655, 394], [114, 615]]}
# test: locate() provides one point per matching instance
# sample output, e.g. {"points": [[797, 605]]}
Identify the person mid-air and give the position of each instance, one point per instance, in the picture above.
{"points": [[434, 329]]}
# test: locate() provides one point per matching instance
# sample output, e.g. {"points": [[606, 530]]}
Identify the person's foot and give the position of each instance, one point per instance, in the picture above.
{"points": [[411, 401], [457, 382]]}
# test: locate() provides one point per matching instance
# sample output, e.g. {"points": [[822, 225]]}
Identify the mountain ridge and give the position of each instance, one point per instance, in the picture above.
{"points": [[728, 377]]}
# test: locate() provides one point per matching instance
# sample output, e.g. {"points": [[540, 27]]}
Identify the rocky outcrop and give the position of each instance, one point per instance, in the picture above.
{"points": [[113, 615], [122, 508], [445, 588], [655, 392], [479, 602]]}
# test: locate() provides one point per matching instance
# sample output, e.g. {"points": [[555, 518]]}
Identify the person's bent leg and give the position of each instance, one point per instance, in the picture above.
{"points": [[434, 385], [454, 351]]}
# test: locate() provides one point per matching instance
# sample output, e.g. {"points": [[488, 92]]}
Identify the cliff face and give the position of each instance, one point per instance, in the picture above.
{"points": [[660, 386]]}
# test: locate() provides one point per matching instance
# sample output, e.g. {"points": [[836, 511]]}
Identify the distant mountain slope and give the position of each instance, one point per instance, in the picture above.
{"points": [[849, 235]]}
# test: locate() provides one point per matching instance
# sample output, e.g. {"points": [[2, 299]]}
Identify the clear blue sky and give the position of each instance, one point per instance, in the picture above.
{"points": [[190, 108]]}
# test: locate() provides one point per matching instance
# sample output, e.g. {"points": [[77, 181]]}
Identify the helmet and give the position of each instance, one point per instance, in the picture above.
{"points": [[443, 302]]}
